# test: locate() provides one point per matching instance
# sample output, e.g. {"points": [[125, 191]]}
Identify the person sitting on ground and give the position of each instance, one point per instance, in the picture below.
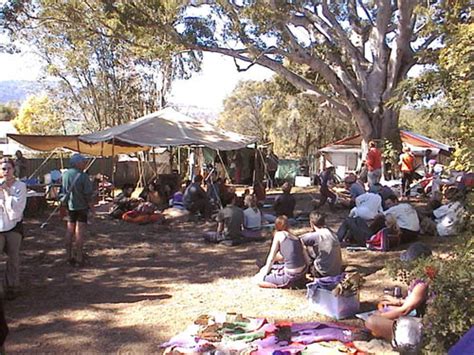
{"points": [[355, 188], [253, 218], [152, 194], [241, 199], [356, 231], [177, 200], [195, 198], [327, 180], [323, 247], [260, 192], [367, 206], [287, 261], [384, 191], [124, 201], [230, 220], [381, 324], [407, 219], [284, 204]]}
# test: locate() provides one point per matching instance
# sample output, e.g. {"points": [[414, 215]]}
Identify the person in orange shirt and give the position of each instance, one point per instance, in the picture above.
{"points": [[373, 162], [407, 167]]}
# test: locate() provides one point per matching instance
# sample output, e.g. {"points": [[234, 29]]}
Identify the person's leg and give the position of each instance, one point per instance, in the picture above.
{"points": [[70, 230], [409, 180], [380, 327], [404, 181], [332, 197], [371, 177], [12, 249], [81, 228], [343, 229], [324, 194]]}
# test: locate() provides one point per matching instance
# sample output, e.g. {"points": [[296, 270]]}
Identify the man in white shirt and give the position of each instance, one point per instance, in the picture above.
{"points": [[368, 205], [407, 219]]}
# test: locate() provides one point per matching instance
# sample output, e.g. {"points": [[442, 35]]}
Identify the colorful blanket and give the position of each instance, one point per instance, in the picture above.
{"points": [[235, 334]]}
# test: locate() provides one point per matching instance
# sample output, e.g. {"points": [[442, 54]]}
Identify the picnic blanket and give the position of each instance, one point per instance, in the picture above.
{"points": [[233, 333]]}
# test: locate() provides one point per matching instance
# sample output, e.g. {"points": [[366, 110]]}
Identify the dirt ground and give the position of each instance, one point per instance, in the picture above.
{"points": [[145, 284]]}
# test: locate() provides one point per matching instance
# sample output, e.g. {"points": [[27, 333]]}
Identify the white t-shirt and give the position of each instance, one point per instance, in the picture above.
{"points": [[406, 216], [368, 205], [252, 218], [12, 205]]}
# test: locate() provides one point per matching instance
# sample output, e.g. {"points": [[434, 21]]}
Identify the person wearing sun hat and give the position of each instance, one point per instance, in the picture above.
{"points": [[78, 197]]}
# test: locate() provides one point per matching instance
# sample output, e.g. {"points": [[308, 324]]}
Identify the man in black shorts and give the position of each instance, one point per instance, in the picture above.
{"points": [[78, 198]]}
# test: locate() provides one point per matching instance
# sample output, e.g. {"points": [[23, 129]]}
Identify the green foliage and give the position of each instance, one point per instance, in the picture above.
{"points": [[449, 313], [38, 115], [446, 90], [276, 111], [463, 156], [7, 113]]}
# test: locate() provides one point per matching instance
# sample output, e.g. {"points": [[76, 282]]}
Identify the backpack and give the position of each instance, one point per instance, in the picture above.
{"points": [[383, 240]]}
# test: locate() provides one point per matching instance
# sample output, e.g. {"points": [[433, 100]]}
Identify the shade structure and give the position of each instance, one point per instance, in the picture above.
{"points": [[72, 142], [166, 128]]}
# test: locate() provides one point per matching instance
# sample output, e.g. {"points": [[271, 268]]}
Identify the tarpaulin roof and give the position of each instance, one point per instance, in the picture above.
{"points": [[73, 142], [163, 128], [407, 137], [168, 127]]}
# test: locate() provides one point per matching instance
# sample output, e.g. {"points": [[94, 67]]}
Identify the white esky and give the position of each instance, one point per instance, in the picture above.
{"points": [[206, 89]]}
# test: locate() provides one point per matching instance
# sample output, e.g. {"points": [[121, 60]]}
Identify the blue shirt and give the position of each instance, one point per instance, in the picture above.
{"points": [[80, 193]]}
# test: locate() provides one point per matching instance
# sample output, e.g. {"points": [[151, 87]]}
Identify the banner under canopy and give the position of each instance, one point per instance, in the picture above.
{"points": [[73, 142]]}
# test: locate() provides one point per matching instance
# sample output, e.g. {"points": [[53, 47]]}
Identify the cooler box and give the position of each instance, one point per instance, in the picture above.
{"points": [[324, 302]]}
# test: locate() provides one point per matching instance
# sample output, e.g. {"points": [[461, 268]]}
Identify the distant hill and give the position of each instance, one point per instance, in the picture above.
{"points": [[18, 90]]}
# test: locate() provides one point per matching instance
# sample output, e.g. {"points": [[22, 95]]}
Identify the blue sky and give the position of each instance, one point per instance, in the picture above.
{"points": [[206, 89]]}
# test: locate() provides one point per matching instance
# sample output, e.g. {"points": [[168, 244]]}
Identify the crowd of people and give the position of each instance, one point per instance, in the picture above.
{"points": [[377, 219]]}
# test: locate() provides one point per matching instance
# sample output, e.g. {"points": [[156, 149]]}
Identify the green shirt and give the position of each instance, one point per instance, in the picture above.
{"points": [[81, 192]]}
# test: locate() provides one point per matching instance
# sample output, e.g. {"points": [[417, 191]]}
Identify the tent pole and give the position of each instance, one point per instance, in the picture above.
{"points": [[113, 167], [225, 169], [171, 158], [265, 170], [154, 161], [179, 160], [61, 159], [145, 183], [254, 177], [42, 164]]}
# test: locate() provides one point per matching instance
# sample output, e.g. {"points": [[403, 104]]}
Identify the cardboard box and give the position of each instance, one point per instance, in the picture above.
{"points": [[324, 302]]}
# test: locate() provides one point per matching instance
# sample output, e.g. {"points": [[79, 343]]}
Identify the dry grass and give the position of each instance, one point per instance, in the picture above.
{"points": [[147, 283]]}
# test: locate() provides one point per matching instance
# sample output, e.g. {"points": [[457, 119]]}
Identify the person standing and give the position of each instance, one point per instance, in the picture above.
{"points": [[374, 164], [12, 205], [426, 161], [20, 165], [407, 167], [272, 162], [78, 200]]}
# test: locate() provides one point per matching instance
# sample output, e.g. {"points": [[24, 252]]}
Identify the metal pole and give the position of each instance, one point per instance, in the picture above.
{"points": [[42, 164]]}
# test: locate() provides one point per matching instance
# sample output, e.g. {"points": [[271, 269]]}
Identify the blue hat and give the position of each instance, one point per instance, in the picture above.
{"points": [[76, 159], [415, 251]]}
